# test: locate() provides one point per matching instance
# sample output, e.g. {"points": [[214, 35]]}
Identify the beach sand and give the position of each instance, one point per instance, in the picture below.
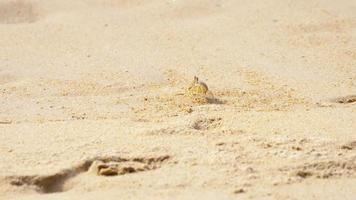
{"points": [[89, 81]]}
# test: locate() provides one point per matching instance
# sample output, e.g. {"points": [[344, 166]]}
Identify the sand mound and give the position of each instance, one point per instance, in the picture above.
{"points": [[6, 78], [194, 10], [121, 4], [19, 11]]}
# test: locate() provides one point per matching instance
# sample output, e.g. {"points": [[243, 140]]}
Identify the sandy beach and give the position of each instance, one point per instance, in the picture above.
{"points": [[95, 100]]}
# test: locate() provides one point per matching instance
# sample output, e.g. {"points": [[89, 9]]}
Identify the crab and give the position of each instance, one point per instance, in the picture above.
{"points": [[199, 92]]}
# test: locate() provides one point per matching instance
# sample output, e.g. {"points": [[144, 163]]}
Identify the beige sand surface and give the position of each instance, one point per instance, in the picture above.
{"points": [[102, 80]]}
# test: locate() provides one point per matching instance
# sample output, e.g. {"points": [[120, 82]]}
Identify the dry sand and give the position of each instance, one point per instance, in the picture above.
{"points": [[90, 81]]}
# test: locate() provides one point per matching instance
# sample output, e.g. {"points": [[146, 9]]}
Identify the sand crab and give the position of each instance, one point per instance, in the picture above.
{"points": [[199, 92]]}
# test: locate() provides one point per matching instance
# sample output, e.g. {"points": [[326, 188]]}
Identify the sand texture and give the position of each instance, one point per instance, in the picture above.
{"points": [[98, 99]]}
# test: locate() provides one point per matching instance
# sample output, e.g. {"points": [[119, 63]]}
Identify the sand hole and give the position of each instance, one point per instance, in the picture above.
{"points": [[112, 167], [206, 123], [55, 183], [323, 170]]}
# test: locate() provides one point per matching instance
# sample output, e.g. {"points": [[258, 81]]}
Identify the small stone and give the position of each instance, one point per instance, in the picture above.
{"points": [[345, 99], [304, 174], [296, 148], [188, 110], [220, 143], [346, 147], [349, 146], [125, 170], [110, 171], [238, 191], [94, 167], [250, 170]]}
